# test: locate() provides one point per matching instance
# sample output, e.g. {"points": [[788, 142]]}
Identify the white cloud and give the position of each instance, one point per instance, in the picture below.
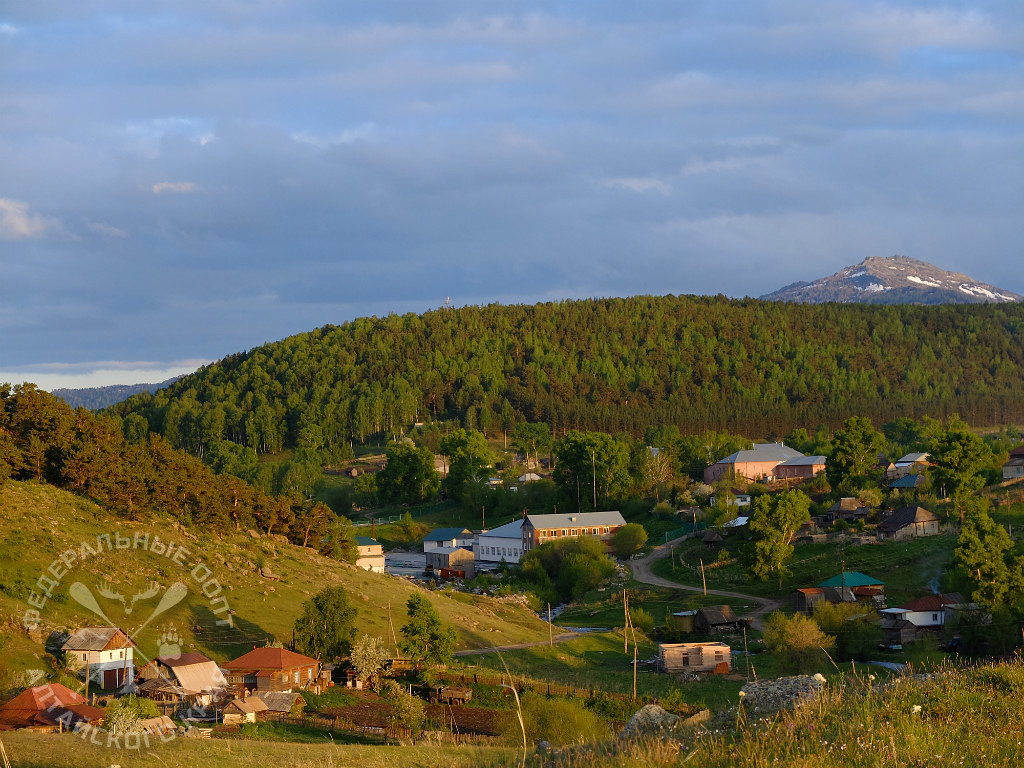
{"points": [[639, 184], [50, 376], [175, 187], [106, 229], [16, 223]]}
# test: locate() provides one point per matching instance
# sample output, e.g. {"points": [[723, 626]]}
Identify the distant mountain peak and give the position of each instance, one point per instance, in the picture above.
{"points": [[894, 280]]}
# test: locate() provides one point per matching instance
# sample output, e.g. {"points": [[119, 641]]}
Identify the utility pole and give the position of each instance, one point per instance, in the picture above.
{"points": [[593, 469], [625, 626], [703, 577]]}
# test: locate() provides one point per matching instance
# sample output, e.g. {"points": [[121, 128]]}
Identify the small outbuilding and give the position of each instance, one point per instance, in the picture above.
{"points": [[370, 554], [716, 618], [694, 657], [452, 559]]}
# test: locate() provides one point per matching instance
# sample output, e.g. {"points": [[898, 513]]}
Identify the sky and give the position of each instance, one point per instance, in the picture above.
{"points": [[181, 180]]}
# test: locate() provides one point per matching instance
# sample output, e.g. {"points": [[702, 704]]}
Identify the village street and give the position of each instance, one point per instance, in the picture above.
{"points": [[642, 573]]}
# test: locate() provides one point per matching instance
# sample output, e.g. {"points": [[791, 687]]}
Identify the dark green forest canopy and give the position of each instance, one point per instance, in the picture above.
{"points": [[747, 366]]}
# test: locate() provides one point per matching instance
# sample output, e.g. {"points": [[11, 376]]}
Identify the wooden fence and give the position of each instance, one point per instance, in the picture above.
{"points": [[376, 733]]}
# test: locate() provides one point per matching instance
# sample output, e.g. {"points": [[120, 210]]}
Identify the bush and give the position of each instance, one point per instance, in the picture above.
{"points": [[642, 620], [557, 720]]}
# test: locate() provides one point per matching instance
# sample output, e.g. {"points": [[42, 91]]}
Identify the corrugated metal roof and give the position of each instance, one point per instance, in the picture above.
{"points": [[580, 520], [443, 534], [511, 530], [97, 639], [851, 579], [270, 658], [762, 452]]}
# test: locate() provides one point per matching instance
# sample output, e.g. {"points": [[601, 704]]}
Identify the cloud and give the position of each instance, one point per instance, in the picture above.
{"points": [[636, 184], [105, 229], [50, 376], [175, 187], [16, 223]]}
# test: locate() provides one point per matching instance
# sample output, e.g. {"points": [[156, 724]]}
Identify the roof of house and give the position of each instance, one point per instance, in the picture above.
{"points": [[737, 522], [443, 534], [851, 579], [45, 704], [803, 461], [197, 674], [1018, 451], [908, 481], [277, 701], [717, 614], [912, 458], [933, 602], [448, 550], [529, 477], [905, 516], [579, 520], [846, 504], [249, 705], [513, 530], [762, 452], [1015, 461], [270, 658], [97, 639], [366, 541]]}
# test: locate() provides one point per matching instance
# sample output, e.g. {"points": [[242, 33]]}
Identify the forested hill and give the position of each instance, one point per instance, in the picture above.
{"points": [[749, 366], [95, 398]]}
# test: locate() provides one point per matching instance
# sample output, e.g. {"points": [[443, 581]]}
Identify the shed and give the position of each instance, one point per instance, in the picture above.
{"points": [[694, 657], [716, 618], [681, 621], [453, 559], [243, 710]]}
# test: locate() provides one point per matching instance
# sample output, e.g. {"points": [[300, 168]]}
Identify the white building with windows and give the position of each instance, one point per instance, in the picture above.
{"points": [[502, 543], [106, 652]]}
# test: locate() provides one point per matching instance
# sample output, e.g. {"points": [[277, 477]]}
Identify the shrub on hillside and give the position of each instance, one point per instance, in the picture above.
{"points": [[557, 720]]}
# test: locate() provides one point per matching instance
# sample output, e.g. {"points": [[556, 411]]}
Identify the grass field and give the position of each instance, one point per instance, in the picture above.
{"points": [[907, 568], [39, 522], [30, 750]]}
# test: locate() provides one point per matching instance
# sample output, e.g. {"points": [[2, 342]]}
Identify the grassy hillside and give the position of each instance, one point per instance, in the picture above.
{"points": [[39, 522]]}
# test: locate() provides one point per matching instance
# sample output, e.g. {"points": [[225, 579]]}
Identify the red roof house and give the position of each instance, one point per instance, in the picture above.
{"points": [[47, 707], [271, 669]]}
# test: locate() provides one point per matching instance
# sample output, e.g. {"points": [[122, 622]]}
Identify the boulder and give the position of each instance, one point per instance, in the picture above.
{"points": [[767, 696], [650, 719]]}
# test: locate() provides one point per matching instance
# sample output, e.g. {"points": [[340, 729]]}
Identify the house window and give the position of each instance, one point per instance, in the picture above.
{"points": [[604, 530], [565, 531], [575, 532], [296, 676], [935, 617]]}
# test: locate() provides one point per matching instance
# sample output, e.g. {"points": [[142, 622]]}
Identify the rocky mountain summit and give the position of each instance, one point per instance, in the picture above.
{"points": [[894, 280]]}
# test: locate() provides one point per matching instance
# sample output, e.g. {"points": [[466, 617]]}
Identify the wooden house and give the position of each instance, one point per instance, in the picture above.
{"points": [[106, 653], [849, 509], [1014, 468], [716, 618], [272, 669], [681, 621], [190, 682], [243, 710], [800, 468], [694, 657], [908, 523], [48, 708]]}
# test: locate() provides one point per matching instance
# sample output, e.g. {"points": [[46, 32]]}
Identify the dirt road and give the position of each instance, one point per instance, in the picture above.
{"points": [[642, 573]]}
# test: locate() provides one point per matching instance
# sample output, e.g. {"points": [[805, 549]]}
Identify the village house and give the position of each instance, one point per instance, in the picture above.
{"points": [[447, 537], [243, 710], [695, 657], [849, 509], [854, 580], [49, 708], [911, 464], [370, 554], [800, 468], [272, 669], [928, 612], [190, 683], [757, 463], [908, 483], [539, 529], [908, 523], [501, 544], [1014, 468], [106, 653], [716, 618]]}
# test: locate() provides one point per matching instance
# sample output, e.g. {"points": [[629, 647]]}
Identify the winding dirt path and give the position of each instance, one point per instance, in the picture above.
{"points": [[642, 573]]}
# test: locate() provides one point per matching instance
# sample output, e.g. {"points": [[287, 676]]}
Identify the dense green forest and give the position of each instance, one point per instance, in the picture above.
{"points": [[615, 365]]}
